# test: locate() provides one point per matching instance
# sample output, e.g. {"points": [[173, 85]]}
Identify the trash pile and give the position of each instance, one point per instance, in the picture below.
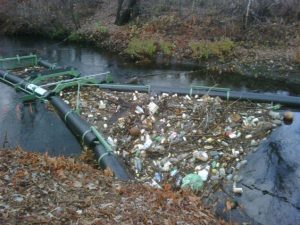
{"points": [[189, 142], [38, 189], [24, 73]]}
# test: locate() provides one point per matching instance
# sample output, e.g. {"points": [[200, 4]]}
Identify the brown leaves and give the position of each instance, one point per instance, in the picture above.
{"points": [[60, 190]]}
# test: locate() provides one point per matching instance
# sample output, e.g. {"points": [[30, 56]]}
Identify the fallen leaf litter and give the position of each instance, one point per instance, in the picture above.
{"points": [[38, 189]]}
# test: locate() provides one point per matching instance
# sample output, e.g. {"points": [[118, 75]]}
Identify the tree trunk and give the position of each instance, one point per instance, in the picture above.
{"points": [[127, 10]]}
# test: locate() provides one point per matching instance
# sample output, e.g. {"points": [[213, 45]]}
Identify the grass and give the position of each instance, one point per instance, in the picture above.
{"points": [[141, 48], [75, 37], [166, 47], [101, 29], [208, 49]]}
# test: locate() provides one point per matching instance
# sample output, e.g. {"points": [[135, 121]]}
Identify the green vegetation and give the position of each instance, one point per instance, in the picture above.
{"points": [[207, 49], [57, 33], [101, 29], [166, 47], [75, 37], [141, 48]]}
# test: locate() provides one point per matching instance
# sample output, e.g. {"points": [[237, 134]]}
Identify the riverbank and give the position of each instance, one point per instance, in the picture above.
{"points": [[217, 43], [38, 189]]}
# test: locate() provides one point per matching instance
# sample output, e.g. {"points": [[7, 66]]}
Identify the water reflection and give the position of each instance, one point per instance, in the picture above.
{"points": [[91, 61]]}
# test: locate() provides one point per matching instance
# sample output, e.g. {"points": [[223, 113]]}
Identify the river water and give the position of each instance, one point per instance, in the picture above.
{"points": [[35, 128]]}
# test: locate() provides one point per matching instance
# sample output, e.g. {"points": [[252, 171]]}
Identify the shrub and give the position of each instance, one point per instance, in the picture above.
{"points": [[75, 37], [166, 47], [101, 29], [207, 49], [139, 48]]}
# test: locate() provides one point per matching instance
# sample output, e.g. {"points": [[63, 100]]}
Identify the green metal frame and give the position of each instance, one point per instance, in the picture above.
{"points": [[101, 139], [40, 78], [63, 85], [18, 62], [31, 96], [227, 90]]}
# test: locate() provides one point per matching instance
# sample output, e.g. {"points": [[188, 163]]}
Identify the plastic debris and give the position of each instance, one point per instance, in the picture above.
{"points": [[236, 190], [166, 166], [172, 136], [174, 172], [148, 142], [137, 164], [152, 108], [200, 155], [192, 181], [274, 115], [139, 110], [203, 174], [154, 184], [157, 177], [102, 105], [187, 132]]}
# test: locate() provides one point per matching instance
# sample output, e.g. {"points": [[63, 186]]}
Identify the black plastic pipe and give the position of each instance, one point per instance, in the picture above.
{"points": [[109, 160], [46, 64], [83, 131], [293, 101], [78, 126], [13, 79]]}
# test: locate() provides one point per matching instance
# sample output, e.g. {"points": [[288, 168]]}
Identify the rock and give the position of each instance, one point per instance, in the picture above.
{"points": [[135, 132], [200, 155]]}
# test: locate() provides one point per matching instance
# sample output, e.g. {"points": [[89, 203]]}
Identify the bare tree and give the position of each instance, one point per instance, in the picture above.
{"points": [[127, 9]]}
